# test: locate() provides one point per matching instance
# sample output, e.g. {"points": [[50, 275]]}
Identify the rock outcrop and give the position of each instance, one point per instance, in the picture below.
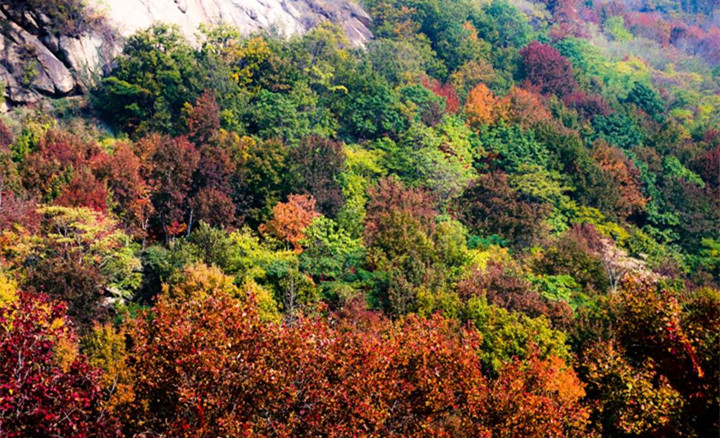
{"points": [[289, 16], [39, 60]]}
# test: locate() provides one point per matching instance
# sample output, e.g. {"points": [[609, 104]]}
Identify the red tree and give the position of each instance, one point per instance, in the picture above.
{"points": [[84, 190], [546, 70], [203, 118], [170, 166], [290, 220], [121, 173], [46, 388], [52, 165]]}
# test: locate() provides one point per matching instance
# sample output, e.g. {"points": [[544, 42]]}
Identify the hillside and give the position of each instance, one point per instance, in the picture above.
{"points": [[54, 49], [405, 218]]}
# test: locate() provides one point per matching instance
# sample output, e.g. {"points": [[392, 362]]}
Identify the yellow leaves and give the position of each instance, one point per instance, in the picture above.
{"points": [[8, 290], [66, 350], [480, 258], [247, 58], [105, 348], [268, 310], [197, 281]]}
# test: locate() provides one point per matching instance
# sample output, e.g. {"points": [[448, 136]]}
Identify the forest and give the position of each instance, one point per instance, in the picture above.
{"points": [[498, 218]]}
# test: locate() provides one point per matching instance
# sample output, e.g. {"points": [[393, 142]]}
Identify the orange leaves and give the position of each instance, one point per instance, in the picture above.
{"points": [[538, 398], [210, 367], [523, 107], [290, 220], [518, 106], [480, 106], [621, 171]]}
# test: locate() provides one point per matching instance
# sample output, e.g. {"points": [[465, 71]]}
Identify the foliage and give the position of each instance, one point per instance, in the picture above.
{"points": [[290, 220], [46, 387], [544, 69], [496, 218]]}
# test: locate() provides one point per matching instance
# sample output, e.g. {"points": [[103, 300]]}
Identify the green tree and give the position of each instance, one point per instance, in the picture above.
{"points": [[151, 82]]}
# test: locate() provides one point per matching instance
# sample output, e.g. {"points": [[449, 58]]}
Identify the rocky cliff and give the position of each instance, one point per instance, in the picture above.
{"points": [[48, 52]]}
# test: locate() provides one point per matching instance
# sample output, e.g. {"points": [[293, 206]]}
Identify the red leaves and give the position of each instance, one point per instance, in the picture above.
{"points": [[446, 91], [46, 388], [623, 173], [546, 70], [212, 365], [389, 197], [538, 398]]}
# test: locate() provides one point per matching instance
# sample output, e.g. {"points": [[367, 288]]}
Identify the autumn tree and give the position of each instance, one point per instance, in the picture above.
{"points": [[545, 70], [78, 256], [84, 190], [202, 368], [623, 174], [9, 179], [524, 108], [491, 206], [505, 287], [480, 106], [316, 164], [202, 118], [169, 169], [538, 398], [398, 226], [53, 164], [122, 173], [47, 388], [290, 220]]}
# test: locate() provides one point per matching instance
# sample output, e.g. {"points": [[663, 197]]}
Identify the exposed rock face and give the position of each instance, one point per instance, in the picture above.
{"points": [[289, 16], [37, 62]]}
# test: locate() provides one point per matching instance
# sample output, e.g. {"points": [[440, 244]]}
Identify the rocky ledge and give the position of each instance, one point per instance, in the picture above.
{"points": [[40, 60]]}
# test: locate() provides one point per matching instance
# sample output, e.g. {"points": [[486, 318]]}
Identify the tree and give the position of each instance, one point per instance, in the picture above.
{"points": [[371, 108], [399, 224], [329, 251], [490, 206], [290, 219], [53, 164], [545, 70], [480, 106], [506, 288], [646, 98], [618, 129], [447, 91], [316, 164], [624, 176], [170, 168], [538, 398], [202, 118], [261, 179], [150, 83], [78, 256], [524, 108], [202, 368], [84, 190], [8, 169], [587, 105], [122, 174], [46, 387]]}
